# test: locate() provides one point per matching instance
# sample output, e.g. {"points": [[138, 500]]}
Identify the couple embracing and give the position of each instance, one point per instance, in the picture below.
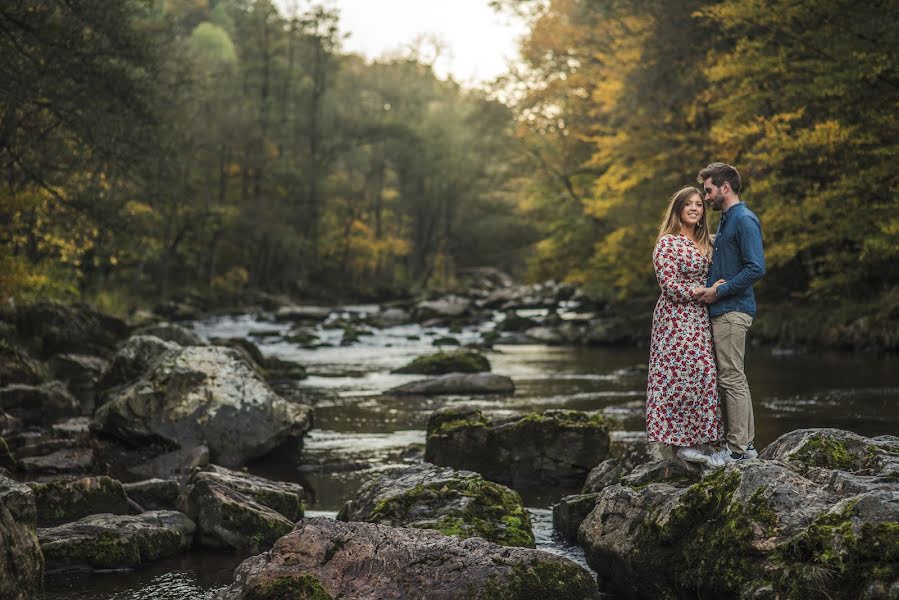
{"points": [[700, 323]]}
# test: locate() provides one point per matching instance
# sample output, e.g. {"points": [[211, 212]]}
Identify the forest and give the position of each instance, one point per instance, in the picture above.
{"points": [[156, 148]]}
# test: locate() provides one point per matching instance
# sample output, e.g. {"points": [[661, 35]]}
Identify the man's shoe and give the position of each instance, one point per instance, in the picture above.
{"points": [[722, 457], [691, 454], [751, 451]]}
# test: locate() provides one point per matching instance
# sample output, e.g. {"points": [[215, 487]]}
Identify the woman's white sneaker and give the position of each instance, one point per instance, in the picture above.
{"points": [[693, 455]]}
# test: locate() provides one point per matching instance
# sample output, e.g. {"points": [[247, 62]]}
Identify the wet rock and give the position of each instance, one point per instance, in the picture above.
{"points": [[322, 558], [50, 327], [21, 561], [70, 499], [171, 332], [178, 463], [447, 307], [80, 373], [459, 503], [616, 331], [134, 358], [545, 335], [38, 405], [281, 496], [513, 339], [302, 313], [270, 368], [556, 447], [106, 541], [393, 316], [154, 494], [516, 323], [230, 520], [204, 395], [17, 367], [835, 449], [757, 529], [440, 363], [570, 512], [445, 341], [6, 458], [457, 383], [68, 461]]}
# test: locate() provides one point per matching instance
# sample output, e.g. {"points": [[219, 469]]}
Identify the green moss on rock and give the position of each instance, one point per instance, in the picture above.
{"points": [[556, 580], [825, 451], [299, 587], [440, 363]]}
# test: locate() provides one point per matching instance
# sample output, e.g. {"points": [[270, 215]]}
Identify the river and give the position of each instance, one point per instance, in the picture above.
{"points": [[358, 430]]}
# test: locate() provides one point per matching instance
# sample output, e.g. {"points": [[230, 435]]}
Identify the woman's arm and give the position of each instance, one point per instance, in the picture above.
{"points": [[664, 259]]}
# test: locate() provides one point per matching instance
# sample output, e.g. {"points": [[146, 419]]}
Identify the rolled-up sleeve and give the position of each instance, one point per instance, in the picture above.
{"points": [[664, 258], [752, 258]]}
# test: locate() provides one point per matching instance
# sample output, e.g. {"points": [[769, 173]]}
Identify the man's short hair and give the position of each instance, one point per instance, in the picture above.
{"points": [[721, 172]]}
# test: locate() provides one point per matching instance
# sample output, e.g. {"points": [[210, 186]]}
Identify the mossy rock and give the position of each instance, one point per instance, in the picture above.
{"points": [[440, 363], [542, 581], [17, 367], [834, 449], [292, 587], [71, 499]]}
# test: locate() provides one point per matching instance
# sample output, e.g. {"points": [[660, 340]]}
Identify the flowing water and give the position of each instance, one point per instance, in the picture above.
{"points": [[359, 431]]}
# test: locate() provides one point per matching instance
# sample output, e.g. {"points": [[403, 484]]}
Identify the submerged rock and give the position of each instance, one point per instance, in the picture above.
{"points": [[553, 448], [459, 503], [282, 496], [107, 541], [230, 520], [440, 363], [764, 528], [457, 383], [322, 558], [21, 561], [204, 395], [70, 499]]}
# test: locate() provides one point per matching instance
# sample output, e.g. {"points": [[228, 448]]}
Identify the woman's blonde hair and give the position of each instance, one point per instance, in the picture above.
{"points": [[671, 224]]}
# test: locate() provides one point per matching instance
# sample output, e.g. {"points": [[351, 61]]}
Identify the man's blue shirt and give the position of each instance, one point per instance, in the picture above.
{"points": [[739, 259]]}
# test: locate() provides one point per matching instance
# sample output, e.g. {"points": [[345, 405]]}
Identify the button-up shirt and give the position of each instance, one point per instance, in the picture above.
{"points": [[739, 259]]}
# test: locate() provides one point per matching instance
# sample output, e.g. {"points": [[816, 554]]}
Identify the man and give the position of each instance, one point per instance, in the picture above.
{"points": [[738, 262]]}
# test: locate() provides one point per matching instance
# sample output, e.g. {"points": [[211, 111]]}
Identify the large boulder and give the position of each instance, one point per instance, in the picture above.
{"points": [[440, 363], [172, 332], [553, 448], [70, 499], [106, 541], [17, 367], [323, 559], [457, 383], [50, 327], [283, 497], [759, 529], [134, 358], [452, 502], [227, 519], [21, 561], [204, 395], [38, 405], [81, 373]]}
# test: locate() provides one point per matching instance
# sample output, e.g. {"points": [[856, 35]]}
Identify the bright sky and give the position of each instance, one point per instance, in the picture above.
{"points": [[479, 41]]}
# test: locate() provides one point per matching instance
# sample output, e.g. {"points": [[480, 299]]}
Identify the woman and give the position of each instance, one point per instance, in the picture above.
{"points": [[682, 408]]}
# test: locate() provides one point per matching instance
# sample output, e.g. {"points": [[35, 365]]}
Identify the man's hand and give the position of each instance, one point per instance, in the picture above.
{"points": [[708, 295]]}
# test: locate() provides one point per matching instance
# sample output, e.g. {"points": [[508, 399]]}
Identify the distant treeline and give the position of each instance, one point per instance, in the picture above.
{"points": [[200, 144]]}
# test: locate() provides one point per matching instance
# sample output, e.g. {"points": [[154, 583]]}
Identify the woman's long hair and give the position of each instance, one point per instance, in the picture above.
{"points": [[671, 224]]}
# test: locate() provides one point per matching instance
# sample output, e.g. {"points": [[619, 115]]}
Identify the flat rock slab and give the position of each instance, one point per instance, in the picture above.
{"points": [[70, 499], [322, 558], [61, 462], [108, 541], [282, 496], [457, 383]]}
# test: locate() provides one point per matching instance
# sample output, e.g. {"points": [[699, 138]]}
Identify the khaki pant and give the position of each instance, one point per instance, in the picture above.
{"points": [[729, 331]]}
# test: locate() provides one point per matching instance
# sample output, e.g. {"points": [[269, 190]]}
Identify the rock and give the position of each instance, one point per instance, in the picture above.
{"points": [[457, 383], [175, 310], [170, 332], [393, 316], [38, 405], [134, 358], [70, 499], [447, 307], [179, 463], [270, 368], [228, 519], [445, 341], [17, 367], [106, 541], [302, 313], [6, 458], [322, 558], [21, 561], [204, 395], [276, 369], [80, 373], [513, 339], [440, 363], [570, 512], [762, 529], [459, 503], [155, 494], [555, 448], [514, 322], [281, 496], [617, 331], [50, 327], [68, 461], [545, 335]]}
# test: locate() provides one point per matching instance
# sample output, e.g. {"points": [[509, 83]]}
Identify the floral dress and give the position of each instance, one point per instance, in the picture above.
{"points": [[682, 405]]}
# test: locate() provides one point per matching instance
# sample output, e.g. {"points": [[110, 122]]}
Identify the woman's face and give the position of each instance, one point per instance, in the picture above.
{"points": [[691, 213]]}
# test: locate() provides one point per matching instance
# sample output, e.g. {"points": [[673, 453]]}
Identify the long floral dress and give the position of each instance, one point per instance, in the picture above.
{"points": [[682, 405]]}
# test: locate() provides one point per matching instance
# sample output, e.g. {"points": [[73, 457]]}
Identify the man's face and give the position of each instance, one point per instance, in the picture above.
{"points": [[713, 194]]}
